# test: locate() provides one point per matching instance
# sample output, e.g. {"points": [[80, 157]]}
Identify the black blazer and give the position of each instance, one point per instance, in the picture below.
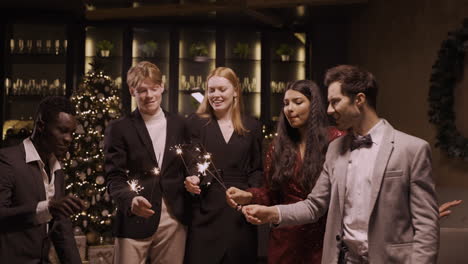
{"points": [[22, 239], [218, 233], [129, 154]]}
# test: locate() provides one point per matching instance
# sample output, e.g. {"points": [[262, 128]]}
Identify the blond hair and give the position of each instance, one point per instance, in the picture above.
{"points": [[142, 71], [205, 110]]}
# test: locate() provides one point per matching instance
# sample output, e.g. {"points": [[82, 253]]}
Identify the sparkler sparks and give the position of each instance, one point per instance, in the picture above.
{"points": [[179, 151], [134, 186], [202, 167], [156, 171], [207, 156]]}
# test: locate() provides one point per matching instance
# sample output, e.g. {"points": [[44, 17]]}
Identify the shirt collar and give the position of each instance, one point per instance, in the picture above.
{"points": [[153, 118], [32, 155], [376, 132]]}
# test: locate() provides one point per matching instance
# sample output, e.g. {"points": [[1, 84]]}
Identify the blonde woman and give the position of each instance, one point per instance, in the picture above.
{"points": [[218, 233]]}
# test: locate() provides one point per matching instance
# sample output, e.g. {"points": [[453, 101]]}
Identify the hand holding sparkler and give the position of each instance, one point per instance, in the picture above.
{"points": [[141, 207], [66, 206], [236, 197], [192, 184]]}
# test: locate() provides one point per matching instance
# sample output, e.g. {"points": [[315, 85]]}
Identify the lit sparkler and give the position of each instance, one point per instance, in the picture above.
{"points": [[203, 167], [180, 152], [134, 186], [156, 171]]}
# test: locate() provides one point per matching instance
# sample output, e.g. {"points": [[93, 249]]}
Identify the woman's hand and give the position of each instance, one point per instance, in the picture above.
{"points": [[192, 184], [236, 197], [444, 209]]}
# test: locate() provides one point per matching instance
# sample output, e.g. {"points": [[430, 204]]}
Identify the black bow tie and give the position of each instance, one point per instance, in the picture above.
{"points": [[361, 142]]}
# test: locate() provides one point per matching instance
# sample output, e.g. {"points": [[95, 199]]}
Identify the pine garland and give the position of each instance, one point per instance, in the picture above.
{"points": [[446, 73]]}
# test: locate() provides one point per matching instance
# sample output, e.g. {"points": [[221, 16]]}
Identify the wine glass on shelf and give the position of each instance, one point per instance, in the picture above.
{"points": [[20, 46], [65, 46], [48, 46], [39, 46], [12, 46], [57, 47], [44, 87], [29, 46], [7, 86], [57, 86]]}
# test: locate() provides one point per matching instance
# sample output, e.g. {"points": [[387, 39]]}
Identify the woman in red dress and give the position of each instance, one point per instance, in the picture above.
{"points": [[292, 166]]}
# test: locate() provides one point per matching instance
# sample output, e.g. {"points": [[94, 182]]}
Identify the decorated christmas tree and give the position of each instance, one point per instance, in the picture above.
{"points": [[97, 102]]}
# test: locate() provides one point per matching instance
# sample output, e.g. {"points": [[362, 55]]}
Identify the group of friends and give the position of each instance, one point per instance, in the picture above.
{"points": [[359, 191]]}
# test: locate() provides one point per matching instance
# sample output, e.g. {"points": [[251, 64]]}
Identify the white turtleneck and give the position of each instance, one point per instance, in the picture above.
{"points": [[157, 126]]}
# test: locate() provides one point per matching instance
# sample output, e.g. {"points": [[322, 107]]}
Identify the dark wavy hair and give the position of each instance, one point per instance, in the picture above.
{"points": [[286, 143]]}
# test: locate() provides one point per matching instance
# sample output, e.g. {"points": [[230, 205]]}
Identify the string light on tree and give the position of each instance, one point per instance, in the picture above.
{"points": [[97, 102]]}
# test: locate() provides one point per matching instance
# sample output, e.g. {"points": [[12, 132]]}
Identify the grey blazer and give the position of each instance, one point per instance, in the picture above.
{"points": [[403, 220]]}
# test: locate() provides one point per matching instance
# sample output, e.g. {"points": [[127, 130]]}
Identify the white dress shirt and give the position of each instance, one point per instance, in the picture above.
{"points": [[42, 210], [358, 190]]}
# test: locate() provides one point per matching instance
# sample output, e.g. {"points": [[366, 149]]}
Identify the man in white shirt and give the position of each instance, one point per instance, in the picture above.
{"points": [[376, 184], [149, 223], [33, 207]]}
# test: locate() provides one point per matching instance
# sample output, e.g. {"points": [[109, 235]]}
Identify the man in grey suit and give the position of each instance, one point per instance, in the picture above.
{"points": [[376, 184]]}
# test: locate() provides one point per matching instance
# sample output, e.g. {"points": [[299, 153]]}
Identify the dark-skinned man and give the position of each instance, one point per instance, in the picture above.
{"points": [[34, 210]]}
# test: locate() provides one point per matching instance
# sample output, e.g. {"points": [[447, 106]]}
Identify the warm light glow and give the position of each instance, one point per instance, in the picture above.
{"points": [[134, 49], [258, 50], [90, 50], [300, 10], [212, 50]]}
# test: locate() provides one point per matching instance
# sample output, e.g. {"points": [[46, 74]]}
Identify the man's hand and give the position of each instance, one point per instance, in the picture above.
{"points": [[141, 207], [192, 184], [444, 209], [236, 197], [259, 214], [66, 206]]}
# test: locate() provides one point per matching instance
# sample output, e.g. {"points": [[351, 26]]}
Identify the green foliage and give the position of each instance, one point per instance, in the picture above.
{"points": [[284, 49], [96, 102], [446, 73], [150, 47], [241, 50], [104, 45], [198, 49]]}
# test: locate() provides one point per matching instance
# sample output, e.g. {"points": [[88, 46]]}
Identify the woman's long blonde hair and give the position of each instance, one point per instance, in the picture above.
{"points": [[205, 110]]}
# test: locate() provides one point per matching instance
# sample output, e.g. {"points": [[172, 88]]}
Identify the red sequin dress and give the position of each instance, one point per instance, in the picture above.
{"points": [[292, 244]]}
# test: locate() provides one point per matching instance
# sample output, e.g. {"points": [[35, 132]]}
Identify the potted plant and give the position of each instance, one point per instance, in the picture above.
{"points": [[285, 52], [241, 50], [150, 48], [104, 48], [199, 52]]}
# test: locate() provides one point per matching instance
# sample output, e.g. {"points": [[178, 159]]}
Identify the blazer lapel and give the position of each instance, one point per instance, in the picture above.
{"points": [[37, 179], [381, 162], [340, 170], [36, 175], [143, 134]]}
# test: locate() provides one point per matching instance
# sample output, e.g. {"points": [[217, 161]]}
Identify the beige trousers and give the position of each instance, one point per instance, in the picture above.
{"points": [[165, 246]]}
